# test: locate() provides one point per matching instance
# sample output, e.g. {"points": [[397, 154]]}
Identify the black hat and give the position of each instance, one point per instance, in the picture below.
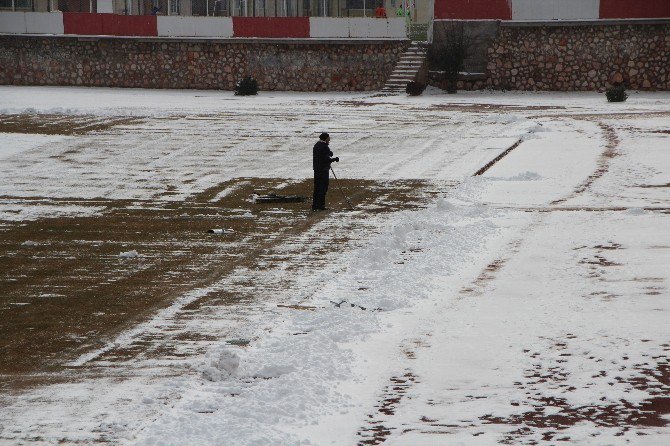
{"points": [[324, 136]]}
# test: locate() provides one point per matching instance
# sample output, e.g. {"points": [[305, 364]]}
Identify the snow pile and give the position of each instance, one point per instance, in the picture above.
{"points": [[636, 211], [269, 391], [14, 211], [523, 176], [223, 365], [526, 176], [129, 254]]}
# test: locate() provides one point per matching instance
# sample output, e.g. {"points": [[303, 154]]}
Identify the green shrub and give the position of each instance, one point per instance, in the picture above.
{"points": [[246, 87], [616, 94], [414, 88]]}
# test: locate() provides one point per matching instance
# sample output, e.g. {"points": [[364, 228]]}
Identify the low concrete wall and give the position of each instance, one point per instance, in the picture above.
{"points": [[569, 56], [376, 28], [13, 22], [31, 22], [298, 65], [44, 23], [328, 28], [357, 27]]}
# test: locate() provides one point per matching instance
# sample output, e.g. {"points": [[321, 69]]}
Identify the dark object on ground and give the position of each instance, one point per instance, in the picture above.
{"points": [[415, 88], [220, 231], [246, 87], [339, 305], [274, 198], [616, 94]]}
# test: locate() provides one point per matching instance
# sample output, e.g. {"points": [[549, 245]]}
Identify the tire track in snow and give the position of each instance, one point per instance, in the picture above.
{"points": [[610, 151], [375, 431]]}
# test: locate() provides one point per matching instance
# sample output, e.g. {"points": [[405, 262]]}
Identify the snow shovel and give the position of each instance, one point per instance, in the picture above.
{"points": [[337, 183]]}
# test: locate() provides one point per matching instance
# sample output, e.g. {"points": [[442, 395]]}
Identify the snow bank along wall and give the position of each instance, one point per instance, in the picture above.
{"points": [[562, 45], [301, 65]]}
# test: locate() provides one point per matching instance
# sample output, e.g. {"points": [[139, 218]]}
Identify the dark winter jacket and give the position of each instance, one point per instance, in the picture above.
{"points": [[322, 156]]}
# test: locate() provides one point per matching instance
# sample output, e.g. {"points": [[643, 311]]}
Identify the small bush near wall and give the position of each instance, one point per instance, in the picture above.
{"points": [[246, 87], [616, 94], [415, 88]]}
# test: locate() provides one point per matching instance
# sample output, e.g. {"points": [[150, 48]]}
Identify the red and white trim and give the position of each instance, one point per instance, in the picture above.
{"points": [[473, 9], [96, 24]]}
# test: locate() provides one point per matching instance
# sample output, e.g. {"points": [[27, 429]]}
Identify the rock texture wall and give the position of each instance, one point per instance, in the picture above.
{"points": [[211, 64], [575, 57]]}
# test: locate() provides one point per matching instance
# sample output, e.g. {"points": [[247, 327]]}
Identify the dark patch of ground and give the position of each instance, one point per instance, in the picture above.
{"points": [[653, 377], [653, 186], [65, 288], [375, 432], [55, 124]]}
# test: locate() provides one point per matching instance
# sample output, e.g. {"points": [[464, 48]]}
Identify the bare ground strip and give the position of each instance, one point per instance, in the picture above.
{"points": [[68, 284]]}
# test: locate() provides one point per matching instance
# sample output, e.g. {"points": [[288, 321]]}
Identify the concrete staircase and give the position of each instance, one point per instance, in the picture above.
{"points": [[407, 69]]}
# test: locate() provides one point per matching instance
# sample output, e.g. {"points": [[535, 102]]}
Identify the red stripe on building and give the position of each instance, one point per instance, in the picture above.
{"points": [[88, 24], [628, 9], [473, 9], [129, 25], [271, 27], [82, 23]]}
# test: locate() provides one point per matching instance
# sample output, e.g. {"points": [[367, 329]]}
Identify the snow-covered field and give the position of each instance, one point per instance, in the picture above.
{"points": [[526, 305]]}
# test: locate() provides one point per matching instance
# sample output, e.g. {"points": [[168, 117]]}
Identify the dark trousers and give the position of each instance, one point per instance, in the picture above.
{"points": [[320, 189]]}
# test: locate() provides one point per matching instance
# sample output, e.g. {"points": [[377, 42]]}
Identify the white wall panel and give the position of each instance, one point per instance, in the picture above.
{"points": [[214, 27], [364, 27], [44, 23], [175, 26], [13, 22], [179, 26], [324, 27], [555, 9], [397, 27], [357, 27]]}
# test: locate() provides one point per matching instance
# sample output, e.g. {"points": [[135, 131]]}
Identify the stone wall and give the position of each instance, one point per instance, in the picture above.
{"points": [[305, 65], [575, 56]]}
